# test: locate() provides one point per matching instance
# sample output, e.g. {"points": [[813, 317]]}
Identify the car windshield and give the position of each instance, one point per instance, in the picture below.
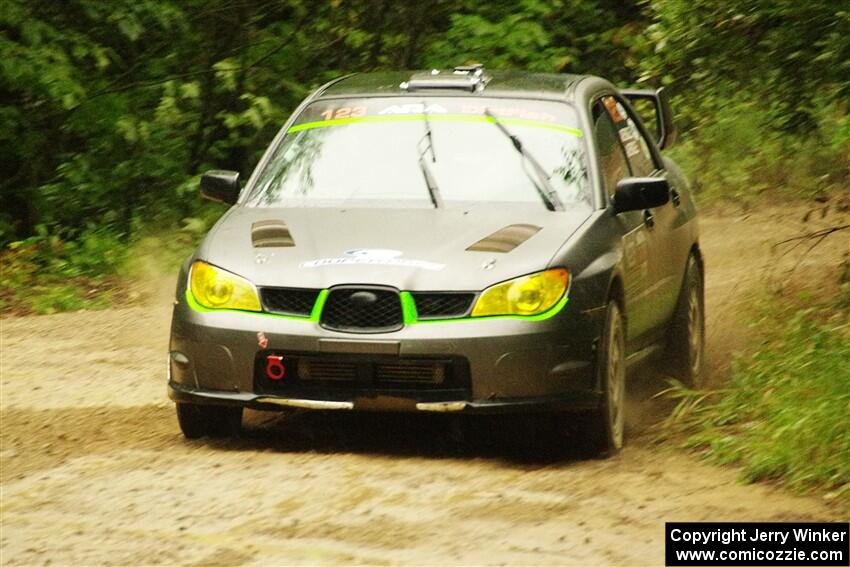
{"points": [[434, 152]]}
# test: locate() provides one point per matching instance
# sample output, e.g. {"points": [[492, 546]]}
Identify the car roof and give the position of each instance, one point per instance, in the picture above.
{"points": [[519, 84]]}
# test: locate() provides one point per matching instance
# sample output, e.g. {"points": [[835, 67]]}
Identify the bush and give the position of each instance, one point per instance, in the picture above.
{"points": [[784, 414], [737, 156], [45, 273]]}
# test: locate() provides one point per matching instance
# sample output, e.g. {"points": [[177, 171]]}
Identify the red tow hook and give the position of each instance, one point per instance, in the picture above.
{"points": [[275, 369]]}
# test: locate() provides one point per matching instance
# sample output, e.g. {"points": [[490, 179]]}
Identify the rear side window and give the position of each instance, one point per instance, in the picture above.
{"points": [[636, 147], [611, 156]]}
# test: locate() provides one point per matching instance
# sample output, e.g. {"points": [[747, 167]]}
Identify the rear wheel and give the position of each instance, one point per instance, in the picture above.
{"points": [[212, 421], [686, 342], [604, 427]]}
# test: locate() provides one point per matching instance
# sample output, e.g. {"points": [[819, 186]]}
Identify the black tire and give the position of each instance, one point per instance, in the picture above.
{"points": [[604, 427], [686, 339], [212, 421]]}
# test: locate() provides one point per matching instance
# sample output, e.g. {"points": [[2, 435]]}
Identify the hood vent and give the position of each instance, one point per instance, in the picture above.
{"points": [[505, 239], [270, 234]]}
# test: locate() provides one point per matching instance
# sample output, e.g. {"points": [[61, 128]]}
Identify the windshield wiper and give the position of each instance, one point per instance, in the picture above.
{"points": [[430, 182], [547, 193]]}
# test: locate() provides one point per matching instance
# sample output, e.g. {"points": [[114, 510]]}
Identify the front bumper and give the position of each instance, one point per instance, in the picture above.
{"points": [[576, 400], [496, 365]]}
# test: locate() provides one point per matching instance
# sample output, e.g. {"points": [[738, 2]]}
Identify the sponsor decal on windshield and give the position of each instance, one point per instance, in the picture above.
{"points": [[374, 257], [414, 108]]}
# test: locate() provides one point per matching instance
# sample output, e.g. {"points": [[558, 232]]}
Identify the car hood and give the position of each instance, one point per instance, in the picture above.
{"points": [[410, 249]]}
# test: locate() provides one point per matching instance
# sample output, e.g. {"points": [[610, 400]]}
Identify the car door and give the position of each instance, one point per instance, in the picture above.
{"points": [[637, 246], [661, 222]]}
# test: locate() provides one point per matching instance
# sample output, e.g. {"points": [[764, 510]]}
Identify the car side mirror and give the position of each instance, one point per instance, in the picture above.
{"points": [[221, 186], [638, 193], [665, 127]]}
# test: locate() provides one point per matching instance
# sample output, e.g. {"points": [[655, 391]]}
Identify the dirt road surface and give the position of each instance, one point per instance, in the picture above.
{"points": [[95, 471]]}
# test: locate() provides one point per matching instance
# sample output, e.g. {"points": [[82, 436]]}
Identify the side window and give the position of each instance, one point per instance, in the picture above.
{"points": [[611, 156], [637, 150]]}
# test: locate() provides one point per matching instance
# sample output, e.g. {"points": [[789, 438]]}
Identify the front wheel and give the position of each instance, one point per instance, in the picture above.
{"points": [[604, 427], [212, 421], [686, 342]]}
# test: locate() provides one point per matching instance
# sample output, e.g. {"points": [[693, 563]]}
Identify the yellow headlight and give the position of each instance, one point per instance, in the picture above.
{"points": [[219, 289], [527, 295]]}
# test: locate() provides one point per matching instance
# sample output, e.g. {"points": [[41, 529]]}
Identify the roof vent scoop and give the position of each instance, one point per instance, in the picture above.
{"points": [[467, 78], [271, 234], [505, 239]]}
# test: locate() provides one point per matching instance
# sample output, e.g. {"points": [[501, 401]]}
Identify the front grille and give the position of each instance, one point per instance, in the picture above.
{"points": [[323, 376], [400, 372], [442, 305], [313, 369], [289, 301], [362, 310], [421, 372]]}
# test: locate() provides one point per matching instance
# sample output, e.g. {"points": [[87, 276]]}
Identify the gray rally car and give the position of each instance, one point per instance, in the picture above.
{"points": [[444, 241]]}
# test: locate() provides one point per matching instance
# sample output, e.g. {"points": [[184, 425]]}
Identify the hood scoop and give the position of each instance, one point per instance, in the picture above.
{"points": [[505, 239], [271, 234]]}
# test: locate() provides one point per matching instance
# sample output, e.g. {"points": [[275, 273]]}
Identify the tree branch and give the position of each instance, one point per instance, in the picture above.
{"points": [[819, 234]]}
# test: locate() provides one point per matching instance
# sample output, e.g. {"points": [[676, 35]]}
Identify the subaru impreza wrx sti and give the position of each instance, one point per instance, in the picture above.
{"points": [[444, 241]]}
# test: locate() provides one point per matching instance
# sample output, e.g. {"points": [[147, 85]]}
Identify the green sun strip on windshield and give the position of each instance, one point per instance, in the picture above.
{"points": [[474, 118]]}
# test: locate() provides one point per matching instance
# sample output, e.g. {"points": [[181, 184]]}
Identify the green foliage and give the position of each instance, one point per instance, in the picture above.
{"points": [[45, 273], [761, 89], [784, 414], [737, 157], [789, 56]]}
